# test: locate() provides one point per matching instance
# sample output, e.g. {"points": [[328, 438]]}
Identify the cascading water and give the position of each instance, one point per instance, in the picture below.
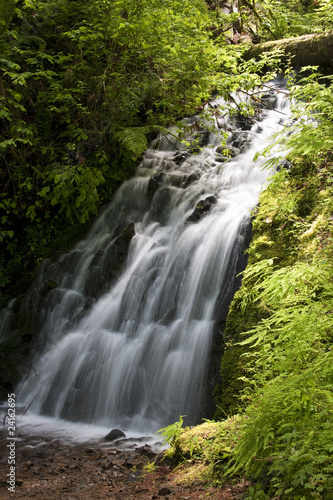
{"points": [[135, 354]]}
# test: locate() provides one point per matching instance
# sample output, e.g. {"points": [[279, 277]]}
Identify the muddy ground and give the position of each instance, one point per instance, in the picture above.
{"points": [[49, 468]]}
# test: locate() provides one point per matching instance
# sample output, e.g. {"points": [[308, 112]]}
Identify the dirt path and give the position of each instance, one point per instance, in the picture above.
{"points": [[47, 469]]}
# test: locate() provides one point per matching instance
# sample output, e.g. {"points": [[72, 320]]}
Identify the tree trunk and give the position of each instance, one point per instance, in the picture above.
{"points": [[316, 50]]}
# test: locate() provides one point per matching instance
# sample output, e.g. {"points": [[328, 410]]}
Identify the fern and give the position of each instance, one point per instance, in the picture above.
{"points": [[173, 431], [134, 139], [288, 431]]}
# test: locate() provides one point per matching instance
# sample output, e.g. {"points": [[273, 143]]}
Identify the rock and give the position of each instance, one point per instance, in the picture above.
{"points": [[202, 138], [164, 491], [134, 476], [154, 183], [189, 179], [55, 442], [160, 204], [240, 140], [180, 157], [244, 122], [146, 450], [268, 101], [114, 435], [221, 159], [202, 207], [227, 151], [106, 264], [163, 459], [47, 287], [123, 241], [284, 164]]}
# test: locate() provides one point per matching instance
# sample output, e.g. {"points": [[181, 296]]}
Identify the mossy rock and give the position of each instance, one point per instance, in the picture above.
{"points": [[203, 447]]}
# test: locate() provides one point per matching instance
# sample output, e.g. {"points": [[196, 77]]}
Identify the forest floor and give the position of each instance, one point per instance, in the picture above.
{"points": [[48, 468]]}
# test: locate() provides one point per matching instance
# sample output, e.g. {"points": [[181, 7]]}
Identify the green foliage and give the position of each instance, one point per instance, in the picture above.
{"points": [[287, 290], [206, 448], [82, 86], [77, 81], [273, 19], [314, 118], [288, 430], [280, 322], [309, 139], [325, 13], [172, 431], [134, 139]]}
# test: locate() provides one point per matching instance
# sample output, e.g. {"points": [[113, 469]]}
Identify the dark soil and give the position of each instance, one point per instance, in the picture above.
{"points": [[48, 468]]}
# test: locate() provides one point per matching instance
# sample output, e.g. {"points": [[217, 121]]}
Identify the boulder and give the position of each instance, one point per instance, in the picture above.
{"points": [[114, 435], [224, 153], [201, 208]]}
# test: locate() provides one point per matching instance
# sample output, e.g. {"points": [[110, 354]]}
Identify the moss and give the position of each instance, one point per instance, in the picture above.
{"points": [[283, 233], [228, 392], [305, 50], [233, 364], [203, 450]]}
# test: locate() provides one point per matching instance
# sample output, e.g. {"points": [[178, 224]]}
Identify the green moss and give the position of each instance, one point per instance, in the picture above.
{"points": [[294, 221], [227, 393], [204, 450]]}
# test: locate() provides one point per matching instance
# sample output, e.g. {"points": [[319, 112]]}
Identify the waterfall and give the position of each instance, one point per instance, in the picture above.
{"points": [[125, 331]]}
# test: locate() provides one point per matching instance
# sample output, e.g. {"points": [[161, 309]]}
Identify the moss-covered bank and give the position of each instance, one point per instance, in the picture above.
{"points": [[293, 223], [277, 367]]}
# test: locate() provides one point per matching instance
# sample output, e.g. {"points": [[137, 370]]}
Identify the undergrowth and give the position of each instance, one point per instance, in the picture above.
{"points": [[279, 332]]}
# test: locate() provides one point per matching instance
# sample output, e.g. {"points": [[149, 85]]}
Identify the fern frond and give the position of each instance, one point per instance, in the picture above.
{"points": [[134, 139]]}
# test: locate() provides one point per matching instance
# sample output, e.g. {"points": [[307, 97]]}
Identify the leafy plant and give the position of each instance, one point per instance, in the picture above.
{"points": [[172, 431], [288, 430]]}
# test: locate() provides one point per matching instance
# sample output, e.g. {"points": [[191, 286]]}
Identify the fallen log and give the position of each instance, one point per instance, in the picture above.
{"points": [[305, 50]]}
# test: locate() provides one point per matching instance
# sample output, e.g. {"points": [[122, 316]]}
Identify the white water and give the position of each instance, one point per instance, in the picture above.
{"points": [[139, 359]]}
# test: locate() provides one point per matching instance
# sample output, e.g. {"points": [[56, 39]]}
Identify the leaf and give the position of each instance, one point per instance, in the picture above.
{"points": [[134, 139], [44, 191]]}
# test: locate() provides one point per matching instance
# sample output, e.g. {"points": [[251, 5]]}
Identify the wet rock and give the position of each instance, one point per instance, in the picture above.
{"points": [[221, 159], [180, 157], [240, 140], [163, 459], [284, 164], [55, 443], [176, 180], [268, 100], [123, 241], [106, 265], [146, 450], [227, 151], [154, 183], [202, 138], [201, 208], [244, 122], [114, 435], [47, 287], [189, 179], [224, 153], [160, 205]]}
